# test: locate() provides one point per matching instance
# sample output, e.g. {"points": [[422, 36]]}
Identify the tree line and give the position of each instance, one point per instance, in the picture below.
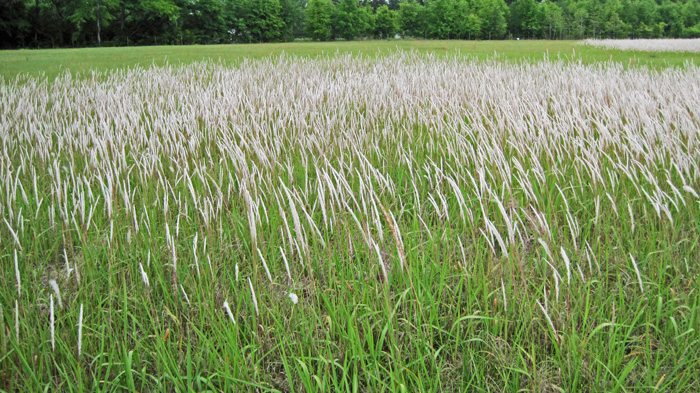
{"points": [[77, 23]]}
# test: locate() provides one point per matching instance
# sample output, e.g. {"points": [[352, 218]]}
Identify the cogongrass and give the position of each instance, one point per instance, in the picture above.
{"points": [[653, 45], [410, 204]]}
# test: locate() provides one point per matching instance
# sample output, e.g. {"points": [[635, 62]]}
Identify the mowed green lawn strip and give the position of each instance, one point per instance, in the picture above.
{"points": [[51, 62]]}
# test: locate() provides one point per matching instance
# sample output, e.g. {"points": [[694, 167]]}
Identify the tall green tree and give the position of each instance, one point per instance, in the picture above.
{"points": [[235, 15], [461, 13], [473, 27], [375, 4], [691, 19], [411, 19], [264, 21], [580, 21], [494, 14], [318, 19], [14, 26], [596, 18], [366, 21], [442, 19], [394, 5], [670, 12], [525, 18], [385, 23], [346, 19], [292, 13], [203, 22], [150, 21], [615, 27], [648, 16], [553, 19], [97, 12]]}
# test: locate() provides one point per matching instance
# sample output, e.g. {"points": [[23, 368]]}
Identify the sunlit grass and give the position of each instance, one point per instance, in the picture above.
{"points": [[443, 224], [51, 62]]}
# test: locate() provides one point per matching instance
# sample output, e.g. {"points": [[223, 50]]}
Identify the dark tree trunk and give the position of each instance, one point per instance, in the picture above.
{"points": [[122, 19]]}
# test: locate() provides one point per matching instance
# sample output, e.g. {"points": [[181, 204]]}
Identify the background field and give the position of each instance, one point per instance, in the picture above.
{"points": [[50, 62], [412, 222]]}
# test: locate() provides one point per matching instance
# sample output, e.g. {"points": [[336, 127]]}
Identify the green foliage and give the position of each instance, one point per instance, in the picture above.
{"points": [[14, 25], [442, 19], [466, 24], [525, 18], [615, 27], [264, 21], [161, 8], [92, 13], [366, 21], [411, 19], [669, 12], [494, 15], [691, 19], [385, 23], [318, 19], [292, 14], [42, 23], [346, 20], [204, 23], [473, 27], [553, 20], [261, 20]]}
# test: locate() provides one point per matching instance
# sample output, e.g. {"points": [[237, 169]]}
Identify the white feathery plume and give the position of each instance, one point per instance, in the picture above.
{"points": [[51, 321], [194, 252], [16, 321], [636, 270], [184, 294], [144, 276], [568, 265], [546, 248], [629, 209], [381, 262], [286, 264], [691, 191], [228, 311], [80, 331], [293, 297], [505, 301], [269, 276], [56, 291], [255, 301], [69, 269], [551, 325], [19, 283], [13, 233]]}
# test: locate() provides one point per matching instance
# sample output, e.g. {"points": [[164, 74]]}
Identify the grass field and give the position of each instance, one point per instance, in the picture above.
{"points": [[51, 62], [414, 222]]}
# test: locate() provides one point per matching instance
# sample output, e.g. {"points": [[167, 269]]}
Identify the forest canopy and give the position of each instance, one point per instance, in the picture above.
{"points": [[78, 23]]}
